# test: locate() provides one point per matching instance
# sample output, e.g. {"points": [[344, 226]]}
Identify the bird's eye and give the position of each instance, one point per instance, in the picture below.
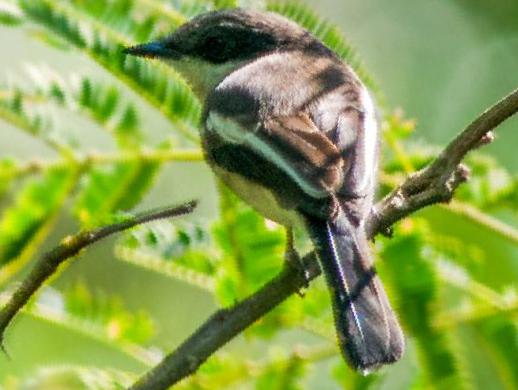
{"points": [[215, 49], [214, 41]]}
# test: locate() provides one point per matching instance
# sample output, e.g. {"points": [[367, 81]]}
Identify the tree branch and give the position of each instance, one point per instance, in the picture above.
{"points": [[435, 183], [19, 170], [225, 324], [70, 247], [438, 181]]}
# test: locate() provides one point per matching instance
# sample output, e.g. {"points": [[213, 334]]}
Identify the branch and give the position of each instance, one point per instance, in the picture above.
{"points": [[70, 247], [438, 181], [435, 183], [84, 161], [225, 324]]}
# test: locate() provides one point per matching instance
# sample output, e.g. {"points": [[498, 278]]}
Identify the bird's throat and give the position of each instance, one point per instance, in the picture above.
{"points": [[203, 76]]}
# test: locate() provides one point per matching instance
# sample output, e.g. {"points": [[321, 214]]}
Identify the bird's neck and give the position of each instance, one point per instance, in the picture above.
{"points": [[202, 76]]}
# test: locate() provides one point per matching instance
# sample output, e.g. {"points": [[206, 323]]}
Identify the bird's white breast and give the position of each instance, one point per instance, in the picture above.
{"points": [[259, 197]]}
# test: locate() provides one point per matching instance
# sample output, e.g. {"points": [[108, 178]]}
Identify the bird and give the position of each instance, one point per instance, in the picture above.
{"points": [[293, 131]]}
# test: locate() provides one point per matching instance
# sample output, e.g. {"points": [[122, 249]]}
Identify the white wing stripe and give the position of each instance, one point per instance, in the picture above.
{"points": [[234, 133]]}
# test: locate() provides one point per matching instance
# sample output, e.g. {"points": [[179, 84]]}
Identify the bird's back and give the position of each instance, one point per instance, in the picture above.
{"points": [[294, 87]]}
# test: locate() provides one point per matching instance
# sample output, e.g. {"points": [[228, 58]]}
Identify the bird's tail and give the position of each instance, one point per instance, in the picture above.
{"points": [[368, 330]]}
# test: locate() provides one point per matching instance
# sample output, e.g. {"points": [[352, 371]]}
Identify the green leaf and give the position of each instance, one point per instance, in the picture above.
{"points": [[101, 102], [348, 379], [10, 14], [49, 39], [282, 374], [178, 250], [33, 207], [398, 125], [500, 334], [222, 4], [122, 16], [43, 12], [490, 184], [185, 244], [127, 129], [108, 313], [7, 167], [76, 377], [113, 188], [252, 251], [158, 84], [415, 286], [31, 120], [311, 311], [219, 371]]}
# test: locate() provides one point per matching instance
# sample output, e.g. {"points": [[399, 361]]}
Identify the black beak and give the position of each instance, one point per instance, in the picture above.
{"points": [[155, 49]]}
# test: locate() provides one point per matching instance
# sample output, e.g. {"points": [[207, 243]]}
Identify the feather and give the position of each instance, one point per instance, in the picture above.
{"points": [[368, 332]]}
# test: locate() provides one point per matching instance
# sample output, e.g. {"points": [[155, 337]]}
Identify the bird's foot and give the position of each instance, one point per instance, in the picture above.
{"points": [[294, 260]]}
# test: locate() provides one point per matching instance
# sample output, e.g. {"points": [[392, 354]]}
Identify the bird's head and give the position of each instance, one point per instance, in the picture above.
{"points": [[214, 44]]}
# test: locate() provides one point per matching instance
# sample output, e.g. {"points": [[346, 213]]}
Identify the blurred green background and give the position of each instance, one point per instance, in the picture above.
{"points": [[442, 62]]}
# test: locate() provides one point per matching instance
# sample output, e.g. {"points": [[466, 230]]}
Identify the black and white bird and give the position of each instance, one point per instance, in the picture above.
{"points": [[292, 130]]}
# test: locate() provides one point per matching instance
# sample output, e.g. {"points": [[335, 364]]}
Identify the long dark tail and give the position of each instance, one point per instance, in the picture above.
{"points": [[368, 330]]}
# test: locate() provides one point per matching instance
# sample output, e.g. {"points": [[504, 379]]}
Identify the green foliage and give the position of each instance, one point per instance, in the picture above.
{"points": [[101, 103], [252, 253], [500, 333], [108, 313], [436, 277], [73, 377], [221, 4], [10, 14], [33, 208], [31, 120], [160, 86], [117, 187], [181, 251], [6, 167], [491, 186], [415, 283], [186, 244], [349, 380], [282, 374]]}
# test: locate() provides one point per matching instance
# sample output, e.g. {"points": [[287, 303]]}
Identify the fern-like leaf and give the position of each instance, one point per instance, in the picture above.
{"points": [[31, 213], [156, 83]]}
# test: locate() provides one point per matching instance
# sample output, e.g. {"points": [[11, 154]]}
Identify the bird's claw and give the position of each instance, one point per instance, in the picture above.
{"points": [[294, 260]]}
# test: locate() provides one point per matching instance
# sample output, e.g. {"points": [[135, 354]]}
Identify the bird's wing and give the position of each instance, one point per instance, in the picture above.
{"points": [[292, 146]]}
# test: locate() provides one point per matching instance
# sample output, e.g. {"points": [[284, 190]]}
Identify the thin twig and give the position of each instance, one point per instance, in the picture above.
{"points": [[83, 161], [225, 324], [70, 247], [496, 226], [467, 211], [435, 183], [449, 319], [438, 181]]}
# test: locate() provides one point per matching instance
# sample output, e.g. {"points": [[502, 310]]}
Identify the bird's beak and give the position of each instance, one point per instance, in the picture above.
{"points": [[154, 49]]}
